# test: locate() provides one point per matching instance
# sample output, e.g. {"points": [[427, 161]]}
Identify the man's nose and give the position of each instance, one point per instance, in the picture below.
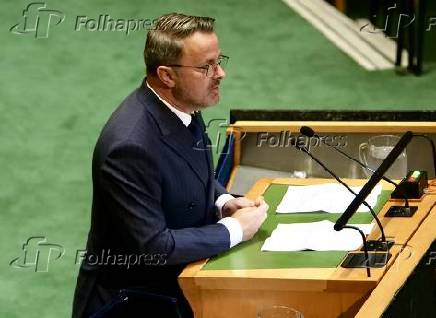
{"points": [[220, 73]]}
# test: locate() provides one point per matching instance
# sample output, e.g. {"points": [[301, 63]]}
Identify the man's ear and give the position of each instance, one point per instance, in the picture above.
{"points": [[166, 75]]}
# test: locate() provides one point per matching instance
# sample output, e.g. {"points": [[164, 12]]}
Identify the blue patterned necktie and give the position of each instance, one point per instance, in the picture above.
{"points": [[196, 130]]}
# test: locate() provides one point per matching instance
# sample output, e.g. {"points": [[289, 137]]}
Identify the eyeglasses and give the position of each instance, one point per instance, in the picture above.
{"points": [[209, 69]]}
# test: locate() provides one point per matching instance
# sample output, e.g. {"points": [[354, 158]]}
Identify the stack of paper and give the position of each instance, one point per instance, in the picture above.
{"points": [[317, 236], [328, 197]]}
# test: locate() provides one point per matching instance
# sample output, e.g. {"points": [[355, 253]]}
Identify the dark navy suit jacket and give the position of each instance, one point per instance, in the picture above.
{"points": [[153, 197]]}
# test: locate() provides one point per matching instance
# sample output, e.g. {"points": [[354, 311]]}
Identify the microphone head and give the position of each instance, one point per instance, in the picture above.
{"points": [[307, 131], [337, 227]]}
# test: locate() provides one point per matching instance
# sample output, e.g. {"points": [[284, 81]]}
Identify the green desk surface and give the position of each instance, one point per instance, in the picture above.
{"points": [[248, 255]]}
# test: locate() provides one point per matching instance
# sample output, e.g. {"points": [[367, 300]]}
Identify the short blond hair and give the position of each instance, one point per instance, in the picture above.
{"points": [[164, 42]]}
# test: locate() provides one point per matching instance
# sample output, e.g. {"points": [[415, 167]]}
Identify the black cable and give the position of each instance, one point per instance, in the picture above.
{"points": [[383, 238], [432, 148], [365, 247]]}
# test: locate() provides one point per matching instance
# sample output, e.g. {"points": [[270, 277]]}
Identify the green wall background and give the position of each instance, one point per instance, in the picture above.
{"points": [[56, 94]]}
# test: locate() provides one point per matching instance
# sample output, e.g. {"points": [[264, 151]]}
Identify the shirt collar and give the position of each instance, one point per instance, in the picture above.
{"points": [[184, 117]]}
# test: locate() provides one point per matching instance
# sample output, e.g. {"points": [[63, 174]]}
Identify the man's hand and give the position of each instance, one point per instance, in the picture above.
{"points": [[251, 218], [235, 204]]}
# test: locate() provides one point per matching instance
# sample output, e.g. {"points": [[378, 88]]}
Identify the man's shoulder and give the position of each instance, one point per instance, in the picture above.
{"points": [[129, 124], [132, 115]]}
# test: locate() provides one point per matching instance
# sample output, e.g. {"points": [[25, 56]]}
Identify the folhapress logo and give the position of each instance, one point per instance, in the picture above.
{"points": [[38, 254], [38, 19]]}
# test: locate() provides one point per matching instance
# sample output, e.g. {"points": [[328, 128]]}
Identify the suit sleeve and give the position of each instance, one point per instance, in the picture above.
{"points": [[130, 180]]}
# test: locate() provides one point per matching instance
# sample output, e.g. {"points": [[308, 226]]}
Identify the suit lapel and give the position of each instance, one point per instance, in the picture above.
{"points": [[209, 217], [183, 145], [175, 134]]}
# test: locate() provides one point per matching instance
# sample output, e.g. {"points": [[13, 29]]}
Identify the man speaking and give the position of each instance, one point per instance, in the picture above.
{"points": [[154, 193]]}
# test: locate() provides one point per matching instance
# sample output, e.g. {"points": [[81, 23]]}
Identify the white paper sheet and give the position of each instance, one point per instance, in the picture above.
{"points": [[328, 197], [317, 236]]}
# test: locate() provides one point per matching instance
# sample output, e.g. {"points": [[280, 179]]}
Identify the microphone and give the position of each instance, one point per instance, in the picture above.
{"points": [[383, 237], [375, 178], [309, 132]]}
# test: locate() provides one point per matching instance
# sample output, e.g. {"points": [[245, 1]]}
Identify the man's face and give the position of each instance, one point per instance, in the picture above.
{"points": [[193, 89]]}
